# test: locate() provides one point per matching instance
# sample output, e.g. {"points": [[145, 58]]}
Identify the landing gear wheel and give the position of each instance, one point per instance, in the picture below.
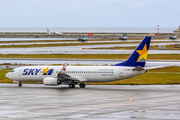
{"points": [[58, 82], [82, 85], [71, 85], [19, 84]]}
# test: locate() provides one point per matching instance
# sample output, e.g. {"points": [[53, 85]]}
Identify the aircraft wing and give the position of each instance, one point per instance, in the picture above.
{"points": [[67, 78]]}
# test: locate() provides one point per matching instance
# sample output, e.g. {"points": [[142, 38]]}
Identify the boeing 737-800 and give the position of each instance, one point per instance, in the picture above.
{"points": [[71, 75]]}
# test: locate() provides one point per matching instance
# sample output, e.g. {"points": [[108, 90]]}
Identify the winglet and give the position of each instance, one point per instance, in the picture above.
{"points": [[63, 68]]}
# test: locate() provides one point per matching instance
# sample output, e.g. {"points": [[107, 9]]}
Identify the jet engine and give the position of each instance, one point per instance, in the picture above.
{"points": [[51, 81]]}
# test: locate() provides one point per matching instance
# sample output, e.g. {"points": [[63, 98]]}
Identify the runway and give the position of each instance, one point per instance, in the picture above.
{"points": [[76, 41], [16, 62], [34, 39], [83, 49], [117, 102]]}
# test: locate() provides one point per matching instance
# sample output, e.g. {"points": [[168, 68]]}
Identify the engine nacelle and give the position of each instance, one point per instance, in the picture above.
{"points": [[51, 81]]}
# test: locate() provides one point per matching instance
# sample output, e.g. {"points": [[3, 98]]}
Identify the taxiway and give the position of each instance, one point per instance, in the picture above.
{"points": [[15, 62], [84, 49], [117, 102], [75, 41]]}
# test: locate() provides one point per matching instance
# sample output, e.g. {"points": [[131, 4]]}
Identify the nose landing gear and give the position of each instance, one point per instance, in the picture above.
{"points": [[19, 84]]}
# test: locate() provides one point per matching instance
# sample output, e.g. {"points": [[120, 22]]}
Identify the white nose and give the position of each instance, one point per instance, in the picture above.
{"points": [[8, 75]]}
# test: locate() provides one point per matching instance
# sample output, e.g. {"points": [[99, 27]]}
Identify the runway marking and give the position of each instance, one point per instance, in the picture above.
{"points": [[63, 111]]}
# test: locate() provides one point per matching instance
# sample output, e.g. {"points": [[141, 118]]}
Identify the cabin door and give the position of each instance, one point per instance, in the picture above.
{"points": [[20, 72], [120, 72]]}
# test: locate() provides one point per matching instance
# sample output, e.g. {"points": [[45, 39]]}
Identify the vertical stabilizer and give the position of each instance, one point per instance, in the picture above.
{"points": [[139, 56]]}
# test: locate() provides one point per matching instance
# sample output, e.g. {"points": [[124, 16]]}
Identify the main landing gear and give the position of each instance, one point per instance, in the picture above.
{"points": [[19, 84], [58, 82], [72, 85], [82, 85]]}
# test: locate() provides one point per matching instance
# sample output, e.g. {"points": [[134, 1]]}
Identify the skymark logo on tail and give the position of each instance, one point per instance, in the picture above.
{"points": [[139, 56], [142, 54]]}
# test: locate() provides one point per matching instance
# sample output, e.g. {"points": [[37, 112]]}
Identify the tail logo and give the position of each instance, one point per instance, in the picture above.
{"points": [[142, 54]]}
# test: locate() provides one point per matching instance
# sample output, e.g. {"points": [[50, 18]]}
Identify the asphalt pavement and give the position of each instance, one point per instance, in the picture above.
{"points": [[105, 102], [84, 49]]}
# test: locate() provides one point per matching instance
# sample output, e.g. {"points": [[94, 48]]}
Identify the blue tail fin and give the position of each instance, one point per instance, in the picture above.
{"points": [[139, 56]]}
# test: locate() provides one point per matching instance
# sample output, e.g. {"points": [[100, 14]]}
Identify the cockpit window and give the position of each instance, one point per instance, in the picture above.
{"points": [[13, 71]]}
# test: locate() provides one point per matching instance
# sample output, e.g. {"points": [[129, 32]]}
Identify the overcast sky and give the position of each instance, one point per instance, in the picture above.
{"points": [[89, 13]]}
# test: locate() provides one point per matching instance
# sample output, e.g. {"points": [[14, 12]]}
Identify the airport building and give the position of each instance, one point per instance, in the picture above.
{"points": [[177, 32]]}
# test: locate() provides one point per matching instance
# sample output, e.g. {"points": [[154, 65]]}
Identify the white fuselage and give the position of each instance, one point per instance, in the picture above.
{"points": [[85, 73]]}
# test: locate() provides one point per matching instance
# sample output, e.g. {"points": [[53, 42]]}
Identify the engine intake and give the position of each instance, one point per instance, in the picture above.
{"points": [[51, 81]]}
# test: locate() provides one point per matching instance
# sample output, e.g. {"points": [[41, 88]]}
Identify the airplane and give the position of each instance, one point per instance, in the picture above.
{"points": [[59, 33], [123, 38], [72, 75], [83, 39], [172, 37]]}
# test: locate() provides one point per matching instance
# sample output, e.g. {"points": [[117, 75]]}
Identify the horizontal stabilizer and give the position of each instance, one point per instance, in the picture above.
{"points": [[138, 68]]}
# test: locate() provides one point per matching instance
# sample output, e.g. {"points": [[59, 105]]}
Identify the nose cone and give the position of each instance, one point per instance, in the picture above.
{"points": [[8, 75]]}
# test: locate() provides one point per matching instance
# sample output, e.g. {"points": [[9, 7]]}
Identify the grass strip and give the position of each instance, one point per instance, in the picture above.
{"points": [[91, 56], [61, 44], [75, 40], [31, 41]]}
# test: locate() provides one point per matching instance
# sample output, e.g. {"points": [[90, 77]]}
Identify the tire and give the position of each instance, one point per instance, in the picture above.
{"points": [[58, 82], [71, 85], [82, 85], [19, 84]]}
